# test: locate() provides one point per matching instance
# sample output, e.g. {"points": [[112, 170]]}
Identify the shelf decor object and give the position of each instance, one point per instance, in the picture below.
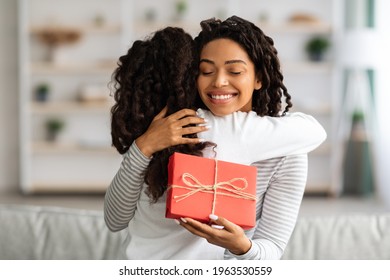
{"points": [[316, 48], [53, 128], [55, 37], [181, 7], [42, 92]]}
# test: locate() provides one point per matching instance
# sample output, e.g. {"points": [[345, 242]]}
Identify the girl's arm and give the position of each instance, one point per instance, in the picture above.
{"points": [[122, 195], [246, 137]]}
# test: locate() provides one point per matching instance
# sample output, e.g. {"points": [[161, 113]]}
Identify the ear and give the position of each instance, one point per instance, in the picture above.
{"points": [[258, 84]]}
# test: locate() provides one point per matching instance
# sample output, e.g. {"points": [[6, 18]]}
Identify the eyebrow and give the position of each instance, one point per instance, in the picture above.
{"points": [[226, 62]]}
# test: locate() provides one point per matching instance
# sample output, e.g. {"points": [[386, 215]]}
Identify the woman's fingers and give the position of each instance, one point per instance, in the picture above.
{"points": [[185, 122], [209, 230], [224, 233], [224, 223], [192, 129], [190, 120], [167, 131], [162, 113], [182, 113], [197, 228], [184, 118]]}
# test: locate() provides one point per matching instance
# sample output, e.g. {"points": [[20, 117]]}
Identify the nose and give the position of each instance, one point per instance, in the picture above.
{"points": [[220, 80]]}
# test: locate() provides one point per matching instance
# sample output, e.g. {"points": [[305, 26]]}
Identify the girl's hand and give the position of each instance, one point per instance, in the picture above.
{"points": [[221, 232], [168, 131]]}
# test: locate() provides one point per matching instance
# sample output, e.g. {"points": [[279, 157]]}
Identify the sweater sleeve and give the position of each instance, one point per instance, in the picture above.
{"points": [[124, 191], [277, 209], [249, 138]]}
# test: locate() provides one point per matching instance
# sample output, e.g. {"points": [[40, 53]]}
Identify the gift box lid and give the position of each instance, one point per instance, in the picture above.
{"points": [[200, 186]]}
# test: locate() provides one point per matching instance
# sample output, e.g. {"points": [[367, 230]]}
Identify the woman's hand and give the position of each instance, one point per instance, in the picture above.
{"points": [[168, 131], [221, 232]]}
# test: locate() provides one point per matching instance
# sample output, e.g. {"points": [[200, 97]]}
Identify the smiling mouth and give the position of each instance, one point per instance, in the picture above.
{"points": [[221, 96]]}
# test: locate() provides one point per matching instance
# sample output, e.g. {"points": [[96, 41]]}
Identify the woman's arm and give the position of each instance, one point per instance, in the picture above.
{"points": [[277, 215], [246, 137], [281, 182]]}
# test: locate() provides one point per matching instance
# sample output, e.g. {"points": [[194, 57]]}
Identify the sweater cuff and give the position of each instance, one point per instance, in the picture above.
{"points": [[250, 255], [135, 154]]}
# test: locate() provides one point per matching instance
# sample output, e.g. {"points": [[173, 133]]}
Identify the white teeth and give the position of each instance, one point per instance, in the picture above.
{"points": [[219, 96]]}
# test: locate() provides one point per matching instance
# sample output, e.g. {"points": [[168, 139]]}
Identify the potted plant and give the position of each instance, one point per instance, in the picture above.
{"points": [[42, 92], [181, 8], [316, 48], [53, 127]]}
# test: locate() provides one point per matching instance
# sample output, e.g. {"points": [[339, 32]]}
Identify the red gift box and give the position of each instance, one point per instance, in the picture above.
{"points": [[198, 187]]}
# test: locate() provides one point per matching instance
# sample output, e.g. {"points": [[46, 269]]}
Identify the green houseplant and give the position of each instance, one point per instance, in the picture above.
{"points": [[42, 92], [53, 127], [181, 7], [316, 48]]}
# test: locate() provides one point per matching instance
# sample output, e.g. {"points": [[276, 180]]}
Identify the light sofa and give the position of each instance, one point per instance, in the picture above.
{"points": [[32, 232]]}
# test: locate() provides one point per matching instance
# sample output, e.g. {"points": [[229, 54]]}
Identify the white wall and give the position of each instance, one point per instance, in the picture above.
{"points": [[8, 96], [9, 142], [382, 139]]}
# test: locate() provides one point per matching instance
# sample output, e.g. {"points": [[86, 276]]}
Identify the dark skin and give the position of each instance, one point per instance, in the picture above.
{"points": [[168, 131], [231, 237]]}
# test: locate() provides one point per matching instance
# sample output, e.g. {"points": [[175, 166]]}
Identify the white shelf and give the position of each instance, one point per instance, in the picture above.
{"points": [[147, 27], [287, 27], [298, 27], [69, 107], [87, 64], [105, 68], [45, 147], [84, 29], [82, 159], [68, 187], [324, 67]]}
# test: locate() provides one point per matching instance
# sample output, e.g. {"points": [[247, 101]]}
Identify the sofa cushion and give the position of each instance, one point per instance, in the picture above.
{"points": [[32, 232], [349, 236]]}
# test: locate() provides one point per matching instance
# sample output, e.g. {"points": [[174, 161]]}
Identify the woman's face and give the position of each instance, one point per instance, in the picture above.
{"points": [[226, 78]]}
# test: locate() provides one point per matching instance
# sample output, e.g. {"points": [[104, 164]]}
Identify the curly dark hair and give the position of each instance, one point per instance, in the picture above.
{"points": [[261, 50], [156, 72]]}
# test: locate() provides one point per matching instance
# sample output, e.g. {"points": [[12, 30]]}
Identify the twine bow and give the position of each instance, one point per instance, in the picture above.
{"points": [[230, 189]]}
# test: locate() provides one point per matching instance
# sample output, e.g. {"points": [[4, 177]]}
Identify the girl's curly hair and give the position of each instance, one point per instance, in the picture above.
{"points": [[261, 50], [156, 72]]}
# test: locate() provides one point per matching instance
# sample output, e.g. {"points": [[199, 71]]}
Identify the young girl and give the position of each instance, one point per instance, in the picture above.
{"points": [[154, 74]]}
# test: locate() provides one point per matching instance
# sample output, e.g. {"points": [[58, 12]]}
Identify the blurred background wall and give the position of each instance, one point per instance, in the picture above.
{"points": [[346, 89], [9, 117]]}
